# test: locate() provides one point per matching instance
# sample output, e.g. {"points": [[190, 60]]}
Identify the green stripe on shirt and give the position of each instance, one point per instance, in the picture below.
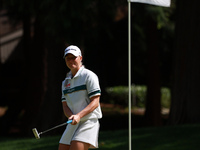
{"points": [[75, 89], [93, 93]]}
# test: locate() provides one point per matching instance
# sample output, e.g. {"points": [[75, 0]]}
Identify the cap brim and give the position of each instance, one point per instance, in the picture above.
{"points": [[71, 52]]}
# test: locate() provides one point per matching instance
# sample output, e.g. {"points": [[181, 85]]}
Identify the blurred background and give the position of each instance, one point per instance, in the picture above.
{"points": [[165, 61]]}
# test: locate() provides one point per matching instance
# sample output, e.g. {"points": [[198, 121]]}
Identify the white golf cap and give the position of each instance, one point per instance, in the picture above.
{"points": [[74, 50]]}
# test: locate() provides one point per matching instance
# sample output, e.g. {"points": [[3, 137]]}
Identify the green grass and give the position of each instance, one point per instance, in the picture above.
{"points": [[163, 138]]}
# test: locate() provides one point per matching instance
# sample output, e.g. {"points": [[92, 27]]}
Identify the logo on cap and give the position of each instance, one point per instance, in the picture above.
{"points": [[74, 50]]}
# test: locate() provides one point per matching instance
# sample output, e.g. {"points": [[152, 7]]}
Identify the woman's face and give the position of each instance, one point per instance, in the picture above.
{"points": [[73, 62]]}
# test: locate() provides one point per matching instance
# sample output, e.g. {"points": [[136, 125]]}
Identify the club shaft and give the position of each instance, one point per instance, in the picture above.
{"points": [[53, 128]]}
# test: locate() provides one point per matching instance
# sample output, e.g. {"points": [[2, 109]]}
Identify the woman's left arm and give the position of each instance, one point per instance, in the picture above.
{"points": [[91, 107]]}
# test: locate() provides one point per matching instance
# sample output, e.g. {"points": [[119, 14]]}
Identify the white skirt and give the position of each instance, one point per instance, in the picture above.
{"points": [[85, 131]]}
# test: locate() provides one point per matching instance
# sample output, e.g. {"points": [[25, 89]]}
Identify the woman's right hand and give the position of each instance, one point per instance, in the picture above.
{"points": [[75, 118]]}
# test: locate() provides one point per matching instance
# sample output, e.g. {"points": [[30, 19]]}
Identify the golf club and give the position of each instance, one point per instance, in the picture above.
{"points": [[37, 135]]}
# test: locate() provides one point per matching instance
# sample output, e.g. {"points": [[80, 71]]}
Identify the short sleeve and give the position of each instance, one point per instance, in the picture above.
{"points": [[92, 84]]}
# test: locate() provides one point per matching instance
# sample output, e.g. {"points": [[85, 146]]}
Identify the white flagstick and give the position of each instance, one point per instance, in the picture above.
{"points": [[164, 3], [129, 68]]}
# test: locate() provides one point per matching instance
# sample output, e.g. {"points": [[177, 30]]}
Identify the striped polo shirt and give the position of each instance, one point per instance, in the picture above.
{"points": [[78, 90]]}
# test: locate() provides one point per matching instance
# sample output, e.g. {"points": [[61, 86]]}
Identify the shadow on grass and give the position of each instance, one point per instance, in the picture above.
{"points": [[184, 137]]}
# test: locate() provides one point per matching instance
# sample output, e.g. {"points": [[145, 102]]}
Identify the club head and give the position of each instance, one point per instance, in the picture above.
{"points": [[35, 132]]}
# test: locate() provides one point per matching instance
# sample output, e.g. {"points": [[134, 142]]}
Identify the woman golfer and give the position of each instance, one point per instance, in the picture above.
{"points": [[80, 101]]}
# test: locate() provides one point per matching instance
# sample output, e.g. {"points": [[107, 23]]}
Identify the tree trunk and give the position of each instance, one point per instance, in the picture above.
{"points": [[50, 111], [34, 92], [153, 104], [185, 91]]}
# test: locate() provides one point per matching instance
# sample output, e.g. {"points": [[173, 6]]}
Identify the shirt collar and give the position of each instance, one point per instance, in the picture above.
{"points": [[69, 75]]}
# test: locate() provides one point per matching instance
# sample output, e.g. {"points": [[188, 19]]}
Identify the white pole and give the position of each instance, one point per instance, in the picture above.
{"points": [[129, 68]]}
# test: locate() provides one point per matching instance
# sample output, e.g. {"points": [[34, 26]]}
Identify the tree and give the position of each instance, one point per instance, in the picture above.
{"points": [[186, 71], [153, 99], [155, 24]]}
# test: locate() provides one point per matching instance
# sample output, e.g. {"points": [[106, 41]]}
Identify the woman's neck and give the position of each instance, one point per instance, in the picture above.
{"points": [[74, 71]]}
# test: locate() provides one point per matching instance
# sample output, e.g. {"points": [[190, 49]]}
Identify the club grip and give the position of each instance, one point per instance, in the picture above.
{"points": [[69, 121]]}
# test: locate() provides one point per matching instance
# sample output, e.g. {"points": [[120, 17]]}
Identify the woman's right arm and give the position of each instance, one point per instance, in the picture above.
{"points": [[66, 109]]}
